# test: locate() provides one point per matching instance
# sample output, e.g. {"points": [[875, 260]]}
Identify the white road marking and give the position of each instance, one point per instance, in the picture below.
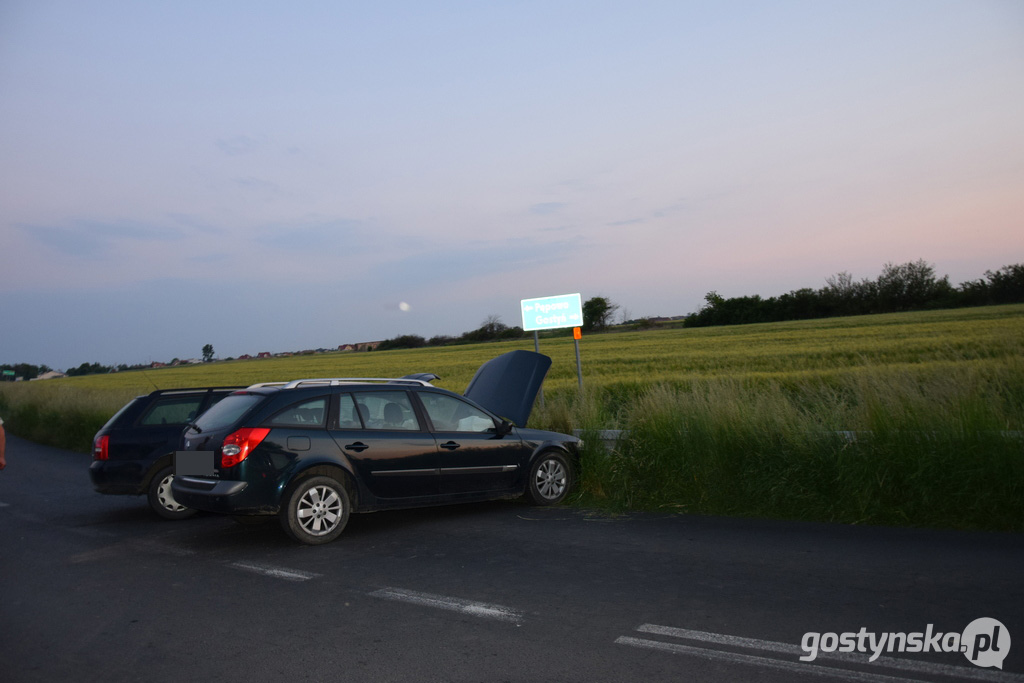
{"points": [[476, 609], [274, 572], [918, 667], [737, 658]]}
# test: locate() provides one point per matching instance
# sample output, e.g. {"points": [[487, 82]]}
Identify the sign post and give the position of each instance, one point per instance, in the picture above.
{"points": [[552, 313]]}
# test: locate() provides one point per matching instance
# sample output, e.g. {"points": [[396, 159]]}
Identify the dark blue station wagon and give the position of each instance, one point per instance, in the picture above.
{"points": [[314, 451]]}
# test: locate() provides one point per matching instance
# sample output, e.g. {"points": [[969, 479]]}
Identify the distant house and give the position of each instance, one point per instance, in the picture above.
{"points": [[346, 347], [157, 364], [245, 356], [52, 374], [368, 346], [263, 354]]}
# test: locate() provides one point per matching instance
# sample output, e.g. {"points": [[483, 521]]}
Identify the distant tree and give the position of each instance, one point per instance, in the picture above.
{"points": [[405, 341], [910, 286], [492, 327], [88, 369], [597, 313], [441, 340], [208, 353], [1006, 285], [25, 370]]}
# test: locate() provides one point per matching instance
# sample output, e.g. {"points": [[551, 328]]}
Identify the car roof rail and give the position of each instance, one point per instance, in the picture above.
{"points": [[338, 381], [184, 390]]}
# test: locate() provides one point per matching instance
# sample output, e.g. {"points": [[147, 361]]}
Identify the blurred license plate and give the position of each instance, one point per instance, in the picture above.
{"points": [[193, 463]]}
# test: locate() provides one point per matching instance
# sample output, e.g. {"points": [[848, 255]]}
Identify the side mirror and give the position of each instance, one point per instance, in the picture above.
{"points": [[504, 428]]}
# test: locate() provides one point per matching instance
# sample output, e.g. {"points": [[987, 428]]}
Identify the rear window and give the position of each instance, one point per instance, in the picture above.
{"points": [[175, 410], [306, 414], [126, 406], [227, 412]]}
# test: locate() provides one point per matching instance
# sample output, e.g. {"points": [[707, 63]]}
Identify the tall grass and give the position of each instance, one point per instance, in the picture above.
{"points": [[923, 449], [58, 414]]}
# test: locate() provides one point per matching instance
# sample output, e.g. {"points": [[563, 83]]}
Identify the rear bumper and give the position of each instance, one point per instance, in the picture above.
{"points": [[127, 477], [213, 495]]}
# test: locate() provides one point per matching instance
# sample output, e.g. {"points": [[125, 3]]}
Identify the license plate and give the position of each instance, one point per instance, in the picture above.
{"points": [[194, 463]]}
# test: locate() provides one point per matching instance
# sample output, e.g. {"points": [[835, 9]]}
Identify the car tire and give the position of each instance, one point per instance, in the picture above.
{"points": [[161, 500], [316, 511], [551, 477]]}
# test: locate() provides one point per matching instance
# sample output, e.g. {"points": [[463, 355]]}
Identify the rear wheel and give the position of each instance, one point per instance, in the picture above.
{"points": [[550, 479], [162, 500], [316, 511]]}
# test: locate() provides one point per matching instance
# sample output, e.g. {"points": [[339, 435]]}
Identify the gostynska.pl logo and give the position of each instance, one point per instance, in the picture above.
{"points": [[985, 642]]}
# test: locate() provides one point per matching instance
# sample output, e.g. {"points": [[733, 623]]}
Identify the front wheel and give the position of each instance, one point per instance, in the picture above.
{"points": [[317, 510], [162, 500], [550, 479]]}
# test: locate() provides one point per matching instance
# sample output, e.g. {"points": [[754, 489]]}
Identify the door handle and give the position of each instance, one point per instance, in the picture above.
{"points": [[450, 446], [358, 447]]}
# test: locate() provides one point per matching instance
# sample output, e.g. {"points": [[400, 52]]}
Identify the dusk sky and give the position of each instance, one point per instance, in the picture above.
{"points": [[281, 176]]}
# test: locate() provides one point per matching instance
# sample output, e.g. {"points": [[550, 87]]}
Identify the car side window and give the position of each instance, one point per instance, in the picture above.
{"points": [[177, 410], [451, 414], [305, 414], [386, 410]]}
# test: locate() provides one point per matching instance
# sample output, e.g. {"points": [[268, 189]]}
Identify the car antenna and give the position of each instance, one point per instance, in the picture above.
{"points": [[149, 380]]}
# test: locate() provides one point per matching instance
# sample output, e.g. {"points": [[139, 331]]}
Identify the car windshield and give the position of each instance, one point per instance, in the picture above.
{"points": [[227, 412]]}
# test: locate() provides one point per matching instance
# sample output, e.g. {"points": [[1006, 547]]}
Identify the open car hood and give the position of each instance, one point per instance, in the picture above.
{"points": [[507, 385]]}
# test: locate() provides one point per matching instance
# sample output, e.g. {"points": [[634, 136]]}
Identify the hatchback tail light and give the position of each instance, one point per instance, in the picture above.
{"points": [[238, 445], [101, 448]]}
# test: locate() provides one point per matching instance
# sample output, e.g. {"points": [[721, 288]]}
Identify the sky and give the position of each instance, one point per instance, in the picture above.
{"points": [[268, 176]]}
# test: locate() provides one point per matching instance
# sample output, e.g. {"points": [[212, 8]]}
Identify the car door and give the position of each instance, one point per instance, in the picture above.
{"points": [[390, 451], [476, 456]]}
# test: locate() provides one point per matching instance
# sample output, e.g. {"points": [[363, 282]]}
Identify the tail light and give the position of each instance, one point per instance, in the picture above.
{"points": [[101, 448], [238, 445]]}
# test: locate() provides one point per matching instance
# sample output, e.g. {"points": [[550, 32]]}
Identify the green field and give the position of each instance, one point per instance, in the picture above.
{"points": [[911, 418]]}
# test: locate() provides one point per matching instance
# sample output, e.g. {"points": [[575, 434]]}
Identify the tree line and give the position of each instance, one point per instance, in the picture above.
{"points": [[910, 286], [597, 315]]}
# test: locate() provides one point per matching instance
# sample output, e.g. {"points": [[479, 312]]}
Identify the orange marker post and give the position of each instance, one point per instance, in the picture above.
{"points": [[577, 334]]}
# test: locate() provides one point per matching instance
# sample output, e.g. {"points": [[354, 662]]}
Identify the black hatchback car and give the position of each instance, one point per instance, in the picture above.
{"points": [[314, 451], [133, 453]]}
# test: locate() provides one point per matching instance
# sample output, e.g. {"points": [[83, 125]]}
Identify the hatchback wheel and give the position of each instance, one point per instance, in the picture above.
{"points": [[550, 479], [162, 500], [317, 510]]}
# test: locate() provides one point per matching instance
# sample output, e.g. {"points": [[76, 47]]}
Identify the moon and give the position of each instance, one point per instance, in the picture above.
{"points": [[404, 307]]}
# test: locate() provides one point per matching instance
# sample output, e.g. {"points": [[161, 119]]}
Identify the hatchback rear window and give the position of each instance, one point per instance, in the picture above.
{"points": [[227, 412], [119, 413], [171, 411]]}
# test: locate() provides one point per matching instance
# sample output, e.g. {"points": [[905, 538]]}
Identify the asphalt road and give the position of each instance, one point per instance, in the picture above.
{"points": [[97, 588]]}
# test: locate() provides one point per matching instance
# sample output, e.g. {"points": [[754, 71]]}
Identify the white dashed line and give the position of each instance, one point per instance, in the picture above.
{"points": [[475, 609], [738, 658], [274, 572]]}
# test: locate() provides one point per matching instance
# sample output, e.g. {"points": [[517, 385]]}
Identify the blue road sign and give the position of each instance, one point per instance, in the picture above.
{"points": [[552, 312]]}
